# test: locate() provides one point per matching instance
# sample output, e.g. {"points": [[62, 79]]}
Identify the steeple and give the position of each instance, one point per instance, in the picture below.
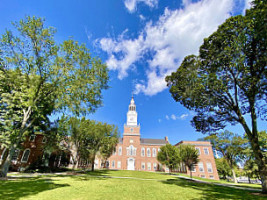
{"points": [[132, 114]]}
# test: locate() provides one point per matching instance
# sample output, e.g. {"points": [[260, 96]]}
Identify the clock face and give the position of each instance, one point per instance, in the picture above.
{"points": [[131, 118]]}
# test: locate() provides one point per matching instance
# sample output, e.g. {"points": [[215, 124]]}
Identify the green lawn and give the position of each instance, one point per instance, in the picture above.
{"points": [[100, 185], [225, 182]]}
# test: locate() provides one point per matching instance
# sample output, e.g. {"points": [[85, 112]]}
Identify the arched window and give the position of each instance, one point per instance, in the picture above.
{"points": [[148, 152], [154, 152], [143, 152], [25, 155], [131, 150]]}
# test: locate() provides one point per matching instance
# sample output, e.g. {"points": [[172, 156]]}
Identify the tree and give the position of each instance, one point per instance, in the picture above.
{"points": [[226, 83], [189, 156], [223, 168], [90, 138], [231, 146], [39, 77], [168, 155]]}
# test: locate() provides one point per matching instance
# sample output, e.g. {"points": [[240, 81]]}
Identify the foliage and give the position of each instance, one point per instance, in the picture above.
{"points": [[226, 83], [231, 146], [189, 156], [39, 77], [169, 156], [223, 167], [90, 138]]}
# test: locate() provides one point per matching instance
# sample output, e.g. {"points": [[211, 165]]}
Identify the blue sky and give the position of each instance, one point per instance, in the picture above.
{"points": [[141, 41]]}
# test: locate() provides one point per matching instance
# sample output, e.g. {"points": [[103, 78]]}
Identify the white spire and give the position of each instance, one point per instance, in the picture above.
{"points": [[132, 114]]}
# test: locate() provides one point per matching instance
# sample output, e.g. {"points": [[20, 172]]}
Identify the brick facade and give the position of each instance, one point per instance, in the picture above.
{"points": [[206, 167]]}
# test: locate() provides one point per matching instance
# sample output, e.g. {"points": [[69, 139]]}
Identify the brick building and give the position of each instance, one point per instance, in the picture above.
{"points": [[132, 151], [206, 167]]}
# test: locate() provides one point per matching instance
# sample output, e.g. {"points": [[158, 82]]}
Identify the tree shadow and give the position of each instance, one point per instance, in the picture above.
{"points": [[15, 189], [211, 191]]}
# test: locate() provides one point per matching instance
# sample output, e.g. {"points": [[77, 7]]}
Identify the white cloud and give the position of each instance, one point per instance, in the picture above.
{"points": [[131, 4], [176, 34], [247, 5], [183, 116], [167, 117], [159, 120], [173, 117]]}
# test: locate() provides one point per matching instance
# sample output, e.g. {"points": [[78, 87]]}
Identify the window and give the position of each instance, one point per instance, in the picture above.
{"points": [[206, 151], [155, 166], [131, 141], [148, 166], [15, 155], [131, 132], [119, 164], [158, 150], [203, 176], [154, 152], [198, 149], [209, 167], [120, 151], [148, 152], [143, 166], [200, 167], [131, 151], [25, 155], [114, 152], [211, 177], [32, 138], [44, 140], [193, 168], [143, 152], [113, 164]]}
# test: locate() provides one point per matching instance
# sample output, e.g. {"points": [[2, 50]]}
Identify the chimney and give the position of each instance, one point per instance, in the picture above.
{"points": [[166, 139]]}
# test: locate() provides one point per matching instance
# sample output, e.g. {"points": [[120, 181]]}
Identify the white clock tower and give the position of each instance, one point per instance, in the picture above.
{"points": [[132, 114]]}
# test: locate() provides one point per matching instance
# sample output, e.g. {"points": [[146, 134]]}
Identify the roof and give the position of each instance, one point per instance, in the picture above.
{"points": [[153, 141], [195, 143]]}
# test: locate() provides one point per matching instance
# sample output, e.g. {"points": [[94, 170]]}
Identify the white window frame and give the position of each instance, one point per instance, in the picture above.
{"points": [[148, 152], [32, 140], [143, 166], [119, 164], [198, 149], [155, 166], [131, 151], [154, 152], [209, 168], [211, 177], [201, 166], [206, 152], [120, 151], [194, 168], [25, 161], [143, 152], [149, 166], [44, 140]]}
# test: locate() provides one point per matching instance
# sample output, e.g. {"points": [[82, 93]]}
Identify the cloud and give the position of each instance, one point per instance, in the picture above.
{"points": [[159, 120], [183, 116], [173, 117], [161, 46], [131, 4], [247, 6], [167, 117]]}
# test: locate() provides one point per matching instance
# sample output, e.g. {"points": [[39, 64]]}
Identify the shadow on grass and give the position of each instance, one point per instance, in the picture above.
{"points": [[210, 191], [11, 190]]}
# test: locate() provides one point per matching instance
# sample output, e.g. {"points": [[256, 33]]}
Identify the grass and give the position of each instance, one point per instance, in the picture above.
{"points": [[99, 185], [226, 182]]}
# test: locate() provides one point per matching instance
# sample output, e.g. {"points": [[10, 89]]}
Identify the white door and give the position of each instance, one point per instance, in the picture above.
{"points": [[130, 164]]}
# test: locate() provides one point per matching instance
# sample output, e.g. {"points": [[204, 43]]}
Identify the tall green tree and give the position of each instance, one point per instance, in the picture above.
{"points": [[231, 146], [223, 167], [189, 156], [226, 82], [39, 77], [168, 155]]}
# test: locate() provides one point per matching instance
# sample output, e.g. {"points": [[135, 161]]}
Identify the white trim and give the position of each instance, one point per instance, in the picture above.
{"points": [[143, 152], [198, 148], [209, 168], [120, 151], [148, 154], [22, 161], [201, 166], [154, 152], [207, 151]]}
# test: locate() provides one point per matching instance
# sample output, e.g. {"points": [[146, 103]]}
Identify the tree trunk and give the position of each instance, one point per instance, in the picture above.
{"points": [[234, 176], [5, 166], [249, 179], [93, 163]]}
